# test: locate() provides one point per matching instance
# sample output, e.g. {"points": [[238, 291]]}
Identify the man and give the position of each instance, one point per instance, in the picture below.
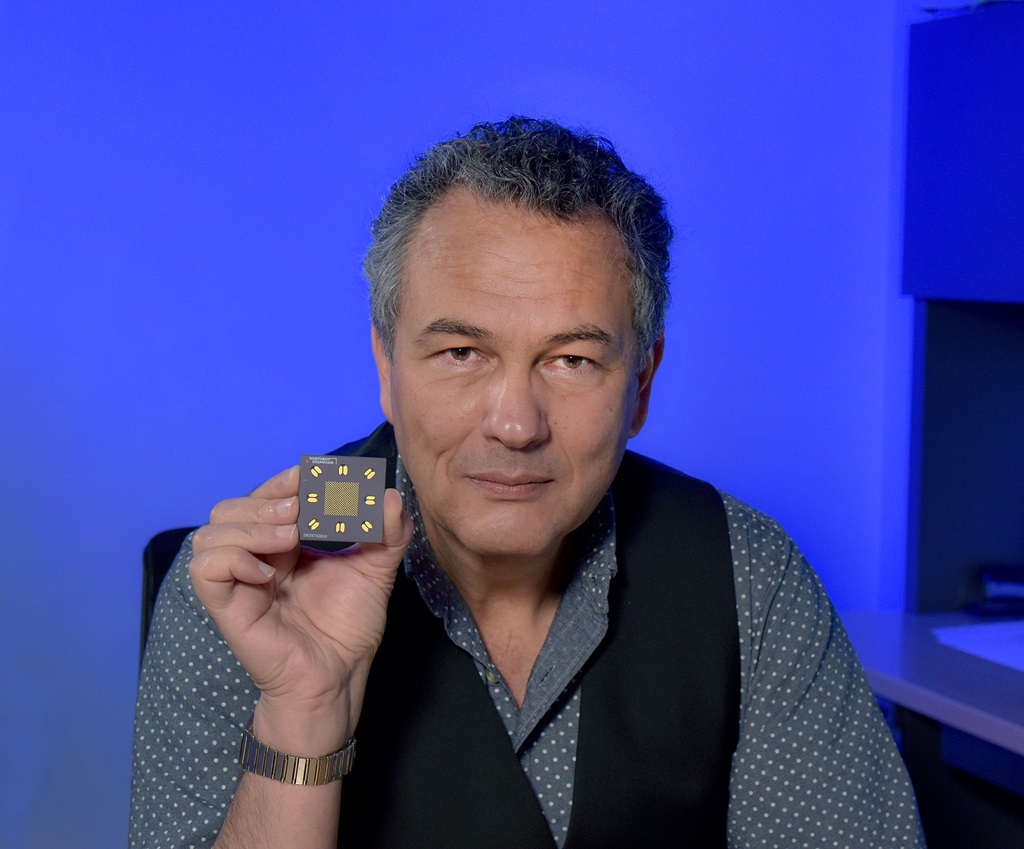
{"points": [[582, 648]]}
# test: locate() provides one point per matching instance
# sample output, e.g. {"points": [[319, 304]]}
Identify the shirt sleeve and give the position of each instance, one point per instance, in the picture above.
{"points": [[815, 765], [194, 700]]}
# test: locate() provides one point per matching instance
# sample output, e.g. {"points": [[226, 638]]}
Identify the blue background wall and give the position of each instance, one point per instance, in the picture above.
{"points": [[180, 183]]}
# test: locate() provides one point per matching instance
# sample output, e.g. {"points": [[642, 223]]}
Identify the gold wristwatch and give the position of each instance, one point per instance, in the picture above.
{"points": [[259, 758]]}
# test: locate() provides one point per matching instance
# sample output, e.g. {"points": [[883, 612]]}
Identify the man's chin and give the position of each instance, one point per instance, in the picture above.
{"points": [[519, 541]]}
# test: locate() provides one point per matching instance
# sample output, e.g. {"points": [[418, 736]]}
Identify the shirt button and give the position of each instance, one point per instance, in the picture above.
{"points": [[490, 677]]}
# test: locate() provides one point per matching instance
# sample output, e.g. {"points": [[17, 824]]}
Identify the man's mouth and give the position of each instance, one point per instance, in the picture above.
{"points": [[509, 484]]}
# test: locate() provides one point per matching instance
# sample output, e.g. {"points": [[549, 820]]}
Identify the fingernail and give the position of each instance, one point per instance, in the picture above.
{"points": [[266, 568], [284, 506], [284, 531]]}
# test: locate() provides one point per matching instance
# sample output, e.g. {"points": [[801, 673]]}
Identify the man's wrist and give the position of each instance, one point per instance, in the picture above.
{"points": [[301, 729]]}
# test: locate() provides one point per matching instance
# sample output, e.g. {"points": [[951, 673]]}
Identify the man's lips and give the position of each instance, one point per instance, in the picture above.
{"points": [[504, 483]]}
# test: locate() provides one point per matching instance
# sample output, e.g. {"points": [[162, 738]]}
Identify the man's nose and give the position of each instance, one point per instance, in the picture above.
{"points": [[515, 411]]}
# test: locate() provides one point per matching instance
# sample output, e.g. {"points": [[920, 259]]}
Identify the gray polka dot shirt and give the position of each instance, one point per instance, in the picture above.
{"points": [[815, 765]]}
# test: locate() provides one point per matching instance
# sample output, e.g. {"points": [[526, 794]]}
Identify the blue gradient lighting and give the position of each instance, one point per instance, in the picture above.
{"points": [[180, 184]]}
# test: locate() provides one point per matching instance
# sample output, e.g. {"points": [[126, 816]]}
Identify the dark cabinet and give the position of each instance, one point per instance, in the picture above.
{"points": [[964, 264]]}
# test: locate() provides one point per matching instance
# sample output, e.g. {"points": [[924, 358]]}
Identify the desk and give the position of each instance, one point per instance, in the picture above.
{"points": [[906, 665], [961, 719]]}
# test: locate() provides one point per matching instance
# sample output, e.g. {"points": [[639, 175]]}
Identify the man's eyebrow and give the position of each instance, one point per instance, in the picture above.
{"points": [[585, 333], [454, 327]]}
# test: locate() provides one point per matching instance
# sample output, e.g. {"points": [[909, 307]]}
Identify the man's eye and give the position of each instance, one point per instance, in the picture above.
{"points": [[460, 354], [571, 361]]}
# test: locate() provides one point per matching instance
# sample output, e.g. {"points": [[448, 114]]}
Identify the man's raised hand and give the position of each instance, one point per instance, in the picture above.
{"points": [[304, 624]]}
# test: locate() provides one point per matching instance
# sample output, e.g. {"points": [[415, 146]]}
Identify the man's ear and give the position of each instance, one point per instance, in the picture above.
{"points": [[645, 379], [383, 372]]}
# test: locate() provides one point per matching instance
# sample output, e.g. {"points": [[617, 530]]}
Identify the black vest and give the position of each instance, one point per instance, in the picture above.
{"points": [[659, 710]]}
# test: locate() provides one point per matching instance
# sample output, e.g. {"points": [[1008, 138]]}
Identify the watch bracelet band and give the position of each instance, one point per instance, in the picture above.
{"points": [[260, 759]]}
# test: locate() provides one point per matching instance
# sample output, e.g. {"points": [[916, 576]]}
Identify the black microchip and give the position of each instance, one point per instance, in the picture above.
{"points": [[341, 499]]}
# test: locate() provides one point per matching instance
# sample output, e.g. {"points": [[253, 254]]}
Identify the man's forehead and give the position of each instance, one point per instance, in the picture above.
{"points": [[474, 261]]}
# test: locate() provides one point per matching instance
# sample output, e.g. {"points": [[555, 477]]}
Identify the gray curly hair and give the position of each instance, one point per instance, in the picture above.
{"points": [[540, 166]]}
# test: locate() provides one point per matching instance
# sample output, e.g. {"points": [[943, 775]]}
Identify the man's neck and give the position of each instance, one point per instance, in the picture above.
{"points": [[513, 601], [493, 582]]}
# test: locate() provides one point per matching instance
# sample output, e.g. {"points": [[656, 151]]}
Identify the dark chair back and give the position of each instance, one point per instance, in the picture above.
{"points": [[157, 558]]}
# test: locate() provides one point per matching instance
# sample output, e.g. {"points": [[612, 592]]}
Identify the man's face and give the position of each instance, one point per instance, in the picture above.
{"points": [[513, 385]]}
